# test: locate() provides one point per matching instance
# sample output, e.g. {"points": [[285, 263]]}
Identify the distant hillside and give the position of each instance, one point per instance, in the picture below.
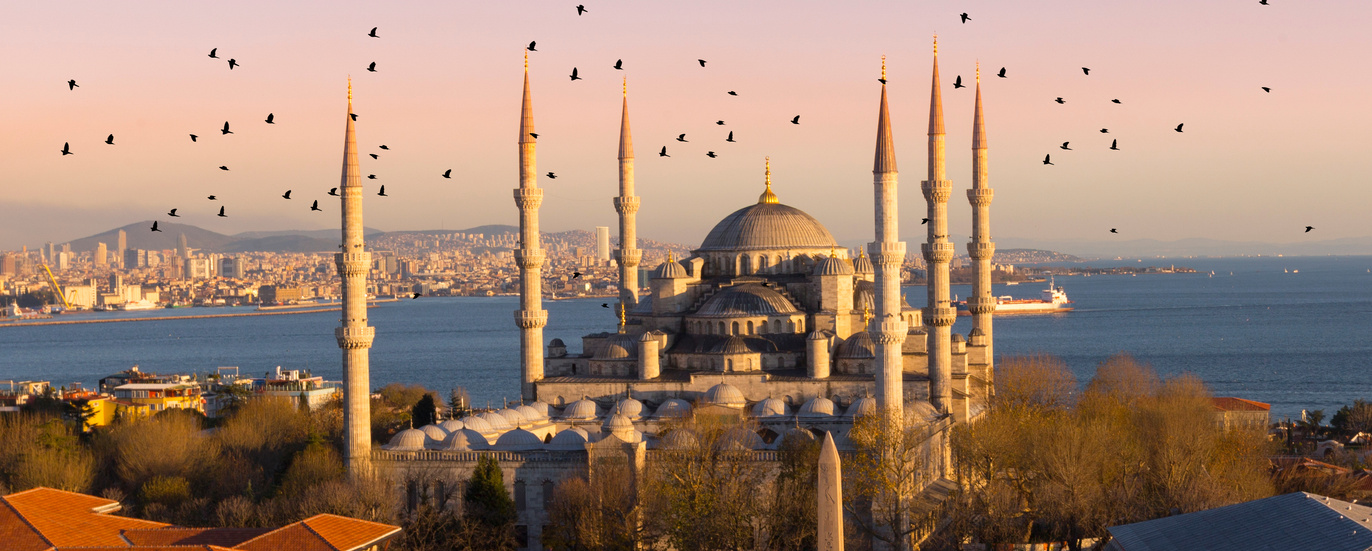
{"points": [[282, 244], [139, 237], [333, 234], [1137, 248]]}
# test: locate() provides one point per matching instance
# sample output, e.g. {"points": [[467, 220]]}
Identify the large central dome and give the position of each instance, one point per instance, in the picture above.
{"points": [[767, 226]]}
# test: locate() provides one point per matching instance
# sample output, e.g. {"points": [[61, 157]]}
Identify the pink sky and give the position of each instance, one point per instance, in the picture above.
{"points": [[1250, 165]]}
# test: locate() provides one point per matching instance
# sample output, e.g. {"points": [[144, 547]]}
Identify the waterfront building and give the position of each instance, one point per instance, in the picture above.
{"points": [[602, 244], [142, 399]]}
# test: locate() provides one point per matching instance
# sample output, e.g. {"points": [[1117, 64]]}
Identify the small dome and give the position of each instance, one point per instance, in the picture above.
{"points": [[451, 425], [725, 394], [519, 440], [859, 346], [732, 345], [620, 427], [818, 406], [794, 434], [568, 440], [555, 343], [514, 417], [498, 422], [581, 410], [408, 440], [543, 408], [866, 405], [740, 439], [629, 407], [671, 269], [864, 297], [921, 410], [477, 424], [818, 336], [863, 265], [532, 414], [673, 407], [679, 439], [957, 337], [771, 407], [832, 266], [434, 433], [462, 440], [751, 299], [618, 347]]}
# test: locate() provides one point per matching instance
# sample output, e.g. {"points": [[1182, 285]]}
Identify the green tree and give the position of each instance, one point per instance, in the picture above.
{"points": [[424, 412], [488, 508], [1354, 418], [459, 403]]}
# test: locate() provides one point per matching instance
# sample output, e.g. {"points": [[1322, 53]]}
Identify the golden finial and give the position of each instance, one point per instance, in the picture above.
{"points": [[832, 252], [626, 87], [526, 60], [883, 68], [621, 317], [978, 71], [935, 44], [767, 195], [866, 317], [669, 257], [862, 253], [350, 91]]}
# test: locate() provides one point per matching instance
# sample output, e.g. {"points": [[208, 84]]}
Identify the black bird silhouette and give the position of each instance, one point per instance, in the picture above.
{"points": [[552, 176], [1114, 101], [1001, 74], [731, 136], [66, 148], [1263, 2], [1105, 131], [72, 85], [663, 153], [576, 275], [416, 295], [710, 154], [226, 130], [211, 197], [221, 213], [604, 305], [286, 195], [796, 120], [1114, 145], [373, 33], [448, 173], [574, 77], [154, 226], [681, 138], [1064, 146], [733, 93], [1047, 159], [110, 140], [315, 206], [923, 221], [1086, 70], [1308, 228], [1266, 89], [882, 80], [531, 46], [173, 213], [702, 62], [193, 137], [382, 193], [964, 18], [580, 9], [233, 63], [534, 135], [271, 118], [1113, 230], [333, 191], [1179, 127], [354, 116], [374, 156], [1060, 100], [371, 68], [957, 83], [212, 52], [383, 146], [619, 64], [223, 167], [721, 123], [371, 176]]}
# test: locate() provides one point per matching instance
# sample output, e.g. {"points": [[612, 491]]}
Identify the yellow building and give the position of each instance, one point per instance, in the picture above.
{"points": [[150, 398]]}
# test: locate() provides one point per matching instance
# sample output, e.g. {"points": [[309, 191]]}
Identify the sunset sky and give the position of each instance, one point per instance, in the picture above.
{"points": [[1249, 166]]}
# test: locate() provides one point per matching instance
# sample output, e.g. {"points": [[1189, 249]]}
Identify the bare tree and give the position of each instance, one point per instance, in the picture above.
{"points": [[887, 471]]}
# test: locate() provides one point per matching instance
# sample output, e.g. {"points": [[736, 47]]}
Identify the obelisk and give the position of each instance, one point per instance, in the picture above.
{"points": [[830, 496]]}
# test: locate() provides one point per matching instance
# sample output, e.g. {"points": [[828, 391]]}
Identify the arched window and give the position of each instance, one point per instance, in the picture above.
{"points": [[735, 328], [776, 326], [519, 499], [547, 495], [750, 328], [762, 263], [722, 330], [762, 328], [730, 363], [791, 326], [745, 265], [801, 324]]}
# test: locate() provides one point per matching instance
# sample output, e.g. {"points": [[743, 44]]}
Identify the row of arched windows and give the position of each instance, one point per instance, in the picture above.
{"points": [[776, 326]]}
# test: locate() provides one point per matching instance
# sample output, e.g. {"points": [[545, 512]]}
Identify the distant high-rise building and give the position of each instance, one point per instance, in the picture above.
{"points": [[117, 284], [198, 268], [133, 258], [231, 267], [101, 254], [66, 248], [123, 245], [8, 265], [52, 252], [602, 243], [182, 250], [63, 259]]}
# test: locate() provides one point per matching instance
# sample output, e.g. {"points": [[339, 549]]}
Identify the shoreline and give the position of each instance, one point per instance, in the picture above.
{"points": [[173, 318]]}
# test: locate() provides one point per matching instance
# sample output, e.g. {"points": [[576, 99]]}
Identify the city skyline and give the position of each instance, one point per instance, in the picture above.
{"points": [[1224, 178]]}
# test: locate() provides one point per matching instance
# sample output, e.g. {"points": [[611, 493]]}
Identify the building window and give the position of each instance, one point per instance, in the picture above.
{"points": [[750, 328], [547, 495], [520, 502], [722, 330], [776, 326]]}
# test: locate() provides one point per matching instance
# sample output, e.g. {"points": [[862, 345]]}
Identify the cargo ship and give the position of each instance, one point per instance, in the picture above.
{"points": [[137, 305], [1051, 300]]}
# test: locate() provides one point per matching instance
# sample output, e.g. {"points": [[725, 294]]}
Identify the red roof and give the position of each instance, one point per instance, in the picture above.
{"points": [[1229, 403]]}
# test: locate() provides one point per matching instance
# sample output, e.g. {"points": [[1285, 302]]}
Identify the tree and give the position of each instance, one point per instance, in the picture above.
{"points": [[424, 412], [1312, 421], [887, 471], [1354, 418], [792, 518], [459, 403], [488, 507], [596, 512]]}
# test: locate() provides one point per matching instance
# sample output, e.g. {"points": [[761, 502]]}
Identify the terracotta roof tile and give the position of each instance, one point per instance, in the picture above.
{"points": [[17, 534], [1229, 403], [293, 536], [226, 537], [69, 519], [324, 533]]}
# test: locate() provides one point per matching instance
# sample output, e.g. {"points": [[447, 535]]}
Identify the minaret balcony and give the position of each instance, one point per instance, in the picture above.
{"points": [[892, 331], [937, 191], [626, 205], [981, 305], [350, 264], [531, 319], [529, 259], [887, 253], [938, 252], [981, 251], [940, 316], [980, 197], [528, 198], [352, 338], [628, 257]]}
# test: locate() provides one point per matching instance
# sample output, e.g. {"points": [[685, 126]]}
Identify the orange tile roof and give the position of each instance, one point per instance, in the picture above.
{"points": [[326, 533], [69, 519], [17, 534], [1229, 403], [225, 537]]}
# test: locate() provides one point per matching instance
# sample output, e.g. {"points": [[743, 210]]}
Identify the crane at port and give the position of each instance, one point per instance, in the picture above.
{"points": [[56, 289]]}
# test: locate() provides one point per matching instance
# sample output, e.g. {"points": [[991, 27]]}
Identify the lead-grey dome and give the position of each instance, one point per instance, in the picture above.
{"points": [[731, 345], [618, 347], [833, 266], [671, 269], [746, 300], [767, 226], [863, 265], [859, 346]]}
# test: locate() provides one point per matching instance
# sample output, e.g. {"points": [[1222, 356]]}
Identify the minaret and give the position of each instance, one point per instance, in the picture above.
{"points": [[888, 253], [982, 303], [626, 204], [938, 314], [354, 336], [531, 317]]}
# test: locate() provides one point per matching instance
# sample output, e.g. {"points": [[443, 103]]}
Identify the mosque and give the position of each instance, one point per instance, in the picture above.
{"points": [[768, 320]]}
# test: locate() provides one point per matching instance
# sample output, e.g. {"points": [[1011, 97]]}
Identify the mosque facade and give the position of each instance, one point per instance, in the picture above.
{"points": [[767, 320]]}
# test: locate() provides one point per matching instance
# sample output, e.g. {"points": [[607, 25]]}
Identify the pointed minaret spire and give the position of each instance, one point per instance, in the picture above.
{"points": [[888, 254], [982, 304], [626, 204], [354, 336], [939, 314], [531, 317]]}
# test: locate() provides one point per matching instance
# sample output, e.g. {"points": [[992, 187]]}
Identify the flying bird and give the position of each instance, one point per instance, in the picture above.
{"points": [[286, 195], [619, 64], [154, 226], [1113, 230], [1105, 131], [354, 116], [1178, 129], [702, 62], [226, 130], [957, 83], [66, 148], [374, 156], [663, 153], [721, 123], [923, 221], [1060, 100], [1001, 74], [110, 140], [731, 136], [1114, 145], [223, 167], [193, 137], [1047, 159], [531, 46], [315, 206], [1086, 70], [383, 146], [681, 138], [233, 63], [1266, 89], [1263, 2], [448, 173], [371, 68], [964, 18], [382, 193], [733, 93], [576, 275], [271, 118], [221, 213], [534, 135], [173, 213], [1308, 228], [574, 77], [211, 197], [1064, 146], [373, 33], [72, 85], [1114, 101], [710, 154], [580, 9], [333, 191], [416, 295], [371, 176], [604, 305], [552, 176], [796, 120], [212, 52]]}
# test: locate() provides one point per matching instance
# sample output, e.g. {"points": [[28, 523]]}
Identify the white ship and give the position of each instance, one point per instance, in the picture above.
{"points": [[138, 305], [1051, 300]]}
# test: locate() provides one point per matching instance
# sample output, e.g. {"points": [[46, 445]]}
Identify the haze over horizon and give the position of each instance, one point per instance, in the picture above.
{"points": [[1250, 166]]}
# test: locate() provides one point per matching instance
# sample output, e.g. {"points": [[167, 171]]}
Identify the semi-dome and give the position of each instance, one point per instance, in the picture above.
{"points": [[580, 410], [746, 300], [921, 410], [519, 440], [767, 226], [866, 405], [731, 345], [451, 425], [497, 421], [863, 265], [477, 424], [532, 414], [818, 406], [832, 266], [462, 440], [673, 407], [408, 440], [725, 394], [771, 407], [618, 346], [859, 346], [568, 440], [435, 433]]}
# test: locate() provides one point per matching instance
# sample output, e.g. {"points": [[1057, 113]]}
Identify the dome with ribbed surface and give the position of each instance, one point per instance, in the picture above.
{"points": [[832, 266], [859, 346], [451, 425], [498, 422], [866, 405], [514, 417], [921, 410], [477, 424], [767, 226], [771, 407], [863, 265], [533, 415], [435, 433], [618, 346], [519, 440], [671, 269], [740, 439], [407, 440], [568, 440], [818, 406], [673, 407], [463, 440], [543, 408], [580, 410], [746, 301], [630, 408], [794, 434], [725, 394], [731, 345]]}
